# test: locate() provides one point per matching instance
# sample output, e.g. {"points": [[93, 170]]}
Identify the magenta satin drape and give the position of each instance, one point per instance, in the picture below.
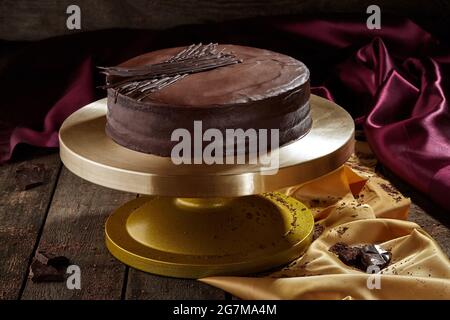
{"points": [[394, 81]]}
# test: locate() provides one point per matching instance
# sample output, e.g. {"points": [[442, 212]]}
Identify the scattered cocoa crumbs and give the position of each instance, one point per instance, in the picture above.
{"points": [[389, 189], [361, 168], [28, 176], [318, 230]]}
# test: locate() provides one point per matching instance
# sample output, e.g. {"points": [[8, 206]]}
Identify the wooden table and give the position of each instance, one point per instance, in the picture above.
{"points": [[66, 215]]}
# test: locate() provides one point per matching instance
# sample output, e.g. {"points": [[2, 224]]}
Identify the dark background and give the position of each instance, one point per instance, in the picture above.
{"points": [[31, 20]]}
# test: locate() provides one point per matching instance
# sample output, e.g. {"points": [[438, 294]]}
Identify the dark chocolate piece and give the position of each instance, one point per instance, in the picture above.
{"points": [[47, 267], [44, 273], [30, 176], [374, 255], [350, 255], [362, 257], [52, 259]]}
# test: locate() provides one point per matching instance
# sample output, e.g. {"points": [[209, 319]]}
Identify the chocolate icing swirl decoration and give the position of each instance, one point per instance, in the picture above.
{"points": [[139, 82]]}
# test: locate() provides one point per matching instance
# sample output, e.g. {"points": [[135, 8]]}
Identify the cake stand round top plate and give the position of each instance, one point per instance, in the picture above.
{"points": [[89, 153]]}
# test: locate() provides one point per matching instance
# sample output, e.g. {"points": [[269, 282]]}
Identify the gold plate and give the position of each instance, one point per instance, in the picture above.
{"points": [[88, 152], [195, 238]]}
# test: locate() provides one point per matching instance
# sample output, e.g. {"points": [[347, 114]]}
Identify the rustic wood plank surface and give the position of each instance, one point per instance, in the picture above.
{"points": [[146, 286], [75, 229], [22, 213]]}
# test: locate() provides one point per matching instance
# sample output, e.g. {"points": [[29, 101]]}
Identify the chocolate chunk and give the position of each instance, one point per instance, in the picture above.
{"points": [[351, 256], [30, 176], [374, 255], [362, 257], [44, 273], [47, 267]]}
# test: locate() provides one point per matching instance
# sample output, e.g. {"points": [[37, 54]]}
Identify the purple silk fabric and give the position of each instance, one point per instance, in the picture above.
{"points": [[394, 82]]}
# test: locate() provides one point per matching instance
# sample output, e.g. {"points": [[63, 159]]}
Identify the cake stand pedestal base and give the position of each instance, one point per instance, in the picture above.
{"points": [[199, 237]]}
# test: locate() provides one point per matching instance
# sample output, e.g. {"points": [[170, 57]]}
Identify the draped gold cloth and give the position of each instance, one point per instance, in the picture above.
{"points": [[354, 206]]}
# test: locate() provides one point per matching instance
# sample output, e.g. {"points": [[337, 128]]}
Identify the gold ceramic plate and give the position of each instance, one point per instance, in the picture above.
{"points": [[88, 152], [194, 238]]}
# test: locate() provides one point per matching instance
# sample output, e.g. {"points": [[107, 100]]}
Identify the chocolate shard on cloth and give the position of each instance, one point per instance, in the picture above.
{"points": [[362, 257], [350, 255], [375, 255]]}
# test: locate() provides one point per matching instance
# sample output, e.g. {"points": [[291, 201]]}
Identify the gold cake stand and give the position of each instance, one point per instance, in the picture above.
{"points": [[200, 220]]}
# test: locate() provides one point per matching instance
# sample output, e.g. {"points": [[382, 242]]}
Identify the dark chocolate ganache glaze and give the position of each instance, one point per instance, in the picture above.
{"points": [[267, 90]]}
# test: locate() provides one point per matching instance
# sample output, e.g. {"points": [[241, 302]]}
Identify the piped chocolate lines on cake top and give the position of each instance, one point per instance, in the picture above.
{"points": [[139, 82]]}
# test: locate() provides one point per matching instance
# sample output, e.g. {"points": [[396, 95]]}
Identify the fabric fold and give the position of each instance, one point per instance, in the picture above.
{"points": [[372, 213]]}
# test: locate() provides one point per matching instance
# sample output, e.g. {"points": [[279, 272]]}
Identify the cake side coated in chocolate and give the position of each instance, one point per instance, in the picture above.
{"points": [[267, 90]]}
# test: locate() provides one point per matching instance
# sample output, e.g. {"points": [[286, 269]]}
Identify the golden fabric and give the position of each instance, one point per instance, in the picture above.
{"points": [[355, 207]]}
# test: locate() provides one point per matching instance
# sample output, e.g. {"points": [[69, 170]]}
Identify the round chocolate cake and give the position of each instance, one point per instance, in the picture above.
{"points": [[259, 89]]}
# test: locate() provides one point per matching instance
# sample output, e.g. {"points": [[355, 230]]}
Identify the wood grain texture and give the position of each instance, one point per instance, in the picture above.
{"points": [[75, 229], [22, 213], [142, 286], [434, 227], [31, 20]]}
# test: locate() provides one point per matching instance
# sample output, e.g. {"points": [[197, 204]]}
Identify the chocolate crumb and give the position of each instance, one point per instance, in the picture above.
{"points": [[341, 230], [29, 176]]}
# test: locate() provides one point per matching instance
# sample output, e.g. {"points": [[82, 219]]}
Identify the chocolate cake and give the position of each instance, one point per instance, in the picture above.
{"points": [[259, 89]]}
